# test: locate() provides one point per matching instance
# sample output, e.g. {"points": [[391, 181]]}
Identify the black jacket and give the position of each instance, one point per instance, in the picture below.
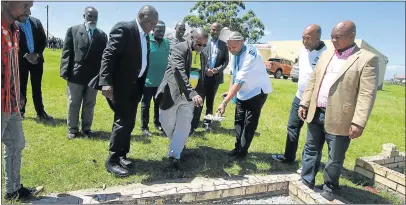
{"points": [[39, 37], [221, 60], [81, 57]]}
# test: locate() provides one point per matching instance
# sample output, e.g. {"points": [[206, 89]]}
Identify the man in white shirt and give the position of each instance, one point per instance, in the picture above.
{"points": [[250, 86], [308, 57], [122, 78]]}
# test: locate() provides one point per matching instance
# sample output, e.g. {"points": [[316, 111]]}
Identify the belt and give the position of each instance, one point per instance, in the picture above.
{"points": [[322, 109]]}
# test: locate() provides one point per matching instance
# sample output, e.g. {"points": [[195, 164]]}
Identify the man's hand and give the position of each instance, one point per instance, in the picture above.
{"points": [[209, 72], [221, 109], [355, 131], [215, 71], [32, 58], [107, 91], [302, 112], [197, 100]]}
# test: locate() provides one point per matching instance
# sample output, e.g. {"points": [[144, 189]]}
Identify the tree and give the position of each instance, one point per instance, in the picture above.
{"points": [[204, 13]]}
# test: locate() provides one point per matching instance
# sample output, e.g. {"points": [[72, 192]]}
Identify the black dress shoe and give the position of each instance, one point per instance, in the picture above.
{"points": [[146, 133], [175, 163], [88, 133], [116, 169], [233, 153], [125, 162], [22, 193], [23, 115], [159, 128], [327, 195], [44, 116], [207, 128]]}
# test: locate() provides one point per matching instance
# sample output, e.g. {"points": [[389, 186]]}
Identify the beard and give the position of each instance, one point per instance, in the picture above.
{"points": [[22, 19], [91, 25]]}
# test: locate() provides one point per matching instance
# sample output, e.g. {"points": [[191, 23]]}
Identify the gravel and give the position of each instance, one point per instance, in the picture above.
{"points": [[268, 200]]}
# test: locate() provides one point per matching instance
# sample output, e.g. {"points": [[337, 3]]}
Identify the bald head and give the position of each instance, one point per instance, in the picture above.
{"points": [[148, 18], [343, 35], [311, 37], [180, 29], [90, 15], [215, 30], [199, 39]]}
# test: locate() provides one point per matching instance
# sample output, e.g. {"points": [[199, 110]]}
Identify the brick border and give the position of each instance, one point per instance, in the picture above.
{"points": [[378, 168], [199, 190]]}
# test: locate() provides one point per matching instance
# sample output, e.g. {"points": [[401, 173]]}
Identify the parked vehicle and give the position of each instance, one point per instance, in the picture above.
{"points": [[279, 67], [294, 74]]}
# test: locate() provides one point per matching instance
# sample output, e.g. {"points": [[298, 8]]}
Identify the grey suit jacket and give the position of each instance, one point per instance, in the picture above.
{"points": [[81, 57], [176, 78], [221, 60]]}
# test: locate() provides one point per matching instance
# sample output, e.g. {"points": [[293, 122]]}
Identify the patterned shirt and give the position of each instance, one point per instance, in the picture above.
{"points": [[10, 84]]}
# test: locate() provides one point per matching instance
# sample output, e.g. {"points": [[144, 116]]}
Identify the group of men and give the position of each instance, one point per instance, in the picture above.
{"points": [[336, 89]]}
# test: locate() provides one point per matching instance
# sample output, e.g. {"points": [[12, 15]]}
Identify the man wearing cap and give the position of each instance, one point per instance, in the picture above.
{"points": [[158, 58], [249, 88], [179, 91]]}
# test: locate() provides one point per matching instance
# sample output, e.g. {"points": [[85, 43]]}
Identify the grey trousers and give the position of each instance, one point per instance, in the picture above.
{"points": [[80, 96], [12, 136], [176, 122]]}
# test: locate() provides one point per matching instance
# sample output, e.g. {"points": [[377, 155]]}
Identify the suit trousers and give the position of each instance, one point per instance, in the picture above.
{"points": [[80, 96], [247, 113], [12, 136], [337, 147], [125, 111], [176, 122], [148, 94], [295, 124], [35, 72], [210, 90]]}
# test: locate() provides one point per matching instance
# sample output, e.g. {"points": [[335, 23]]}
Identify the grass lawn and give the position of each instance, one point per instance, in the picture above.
{"points": [[60, 165]]}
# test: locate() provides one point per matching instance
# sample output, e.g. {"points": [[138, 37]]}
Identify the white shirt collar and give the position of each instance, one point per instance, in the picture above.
{"points": [[142, 33]]}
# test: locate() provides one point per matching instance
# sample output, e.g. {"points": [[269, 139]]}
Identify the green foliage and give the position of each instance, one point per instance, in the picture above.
{"points": [[228, 13]]}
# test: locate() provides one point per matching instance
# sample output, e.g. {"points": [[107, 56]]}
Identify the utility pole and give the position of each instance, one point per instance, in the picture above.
{"points": [[47, 24]]}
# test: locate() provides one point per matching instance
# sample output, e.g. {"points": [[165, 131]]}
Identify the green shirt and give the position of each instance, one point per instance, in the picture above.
{"points": [[158, 61]]}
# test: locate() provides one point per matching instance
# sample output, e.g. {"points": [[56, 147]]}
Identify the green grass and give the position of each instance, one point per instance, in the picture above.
{"points": [[60, 165]]}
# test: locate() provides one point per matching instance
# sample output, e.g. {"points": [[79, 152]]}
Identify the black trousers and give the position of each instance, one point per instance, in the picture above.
{"points": [[124, 121], [247, 113], [35, 72], [148, 94], [210, 89]]}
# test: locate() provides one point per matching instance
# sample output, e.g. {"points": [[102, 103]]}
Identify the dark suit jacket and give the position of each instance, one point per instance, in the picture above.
{"points": [[40, 41], [122, 62], [81, 57], [221, 59], [176, 79]]}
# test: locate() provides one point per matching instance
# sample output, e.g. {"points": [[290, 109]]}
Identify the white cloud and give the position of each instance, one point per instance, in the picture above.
{"points": [[392, 70]]}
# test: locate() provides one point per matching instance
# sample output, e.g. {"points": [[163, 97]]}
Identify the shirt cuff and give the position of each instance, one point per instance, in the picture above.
{"points": [[239, 82]]}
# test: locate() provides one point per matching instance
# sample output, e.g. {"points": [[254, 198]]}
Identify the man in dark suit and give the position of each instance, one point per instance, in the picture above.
{"points": [[122, 78], [32, 45], [178, 93], [217, 53], [81, 59]]}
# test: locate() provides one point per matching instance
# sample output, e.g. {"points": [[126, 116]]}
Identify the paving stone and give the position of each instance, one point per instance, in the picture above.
{"points": [[204, 196], [401, 189], [363, 172], [188, 197], [400, 159], [239, 191], [293, 188], [360, 162], [376, 168], [396, 177], [168, 192], [385, 181], [221, 187], [149, 194]]}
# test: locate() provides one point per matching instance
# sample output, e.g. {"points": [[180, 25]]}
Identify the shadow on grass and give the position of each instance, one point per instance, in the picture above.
{"points": [[54, 122], [207, 162]]}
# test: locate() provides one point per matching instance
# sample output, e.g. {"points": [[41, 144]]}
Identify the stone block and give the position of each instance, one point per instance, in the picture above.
{"points": [[389, 160], [396, 177], [400, 159], [293, 188], [364, 172], [376, 168], [392, 165], [240, 191], [168, 192], [188, 198], [210, 195], [401, 189], [388, 147], [401, 164], [255, 189], [385, 181], [359, 162]]}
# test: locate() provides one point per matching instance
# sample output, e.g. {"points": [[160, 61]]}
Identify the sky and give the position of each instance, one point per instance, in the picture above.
{"points": [[381, 24]]}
